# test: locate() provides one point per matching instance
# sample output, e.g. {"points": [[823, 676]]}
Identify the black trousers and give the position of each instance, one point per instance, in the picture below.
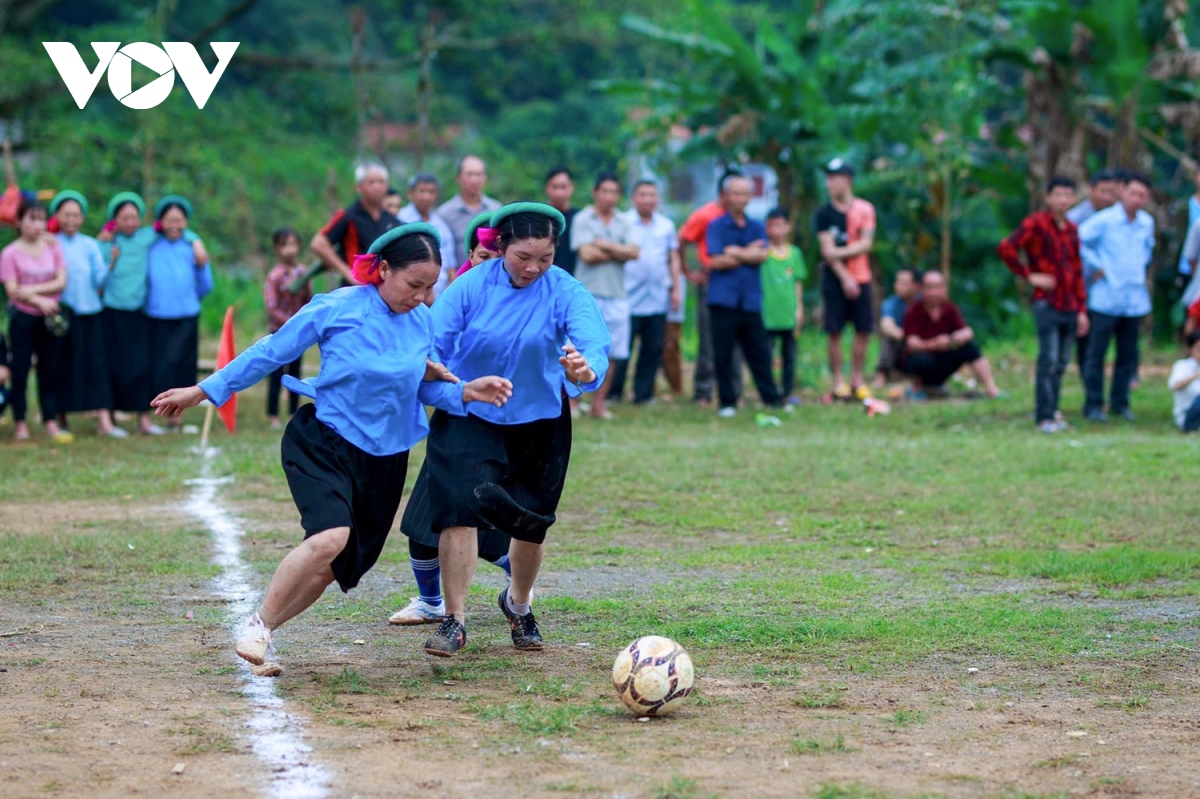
{"points": [[1126, 330], [933, 369], [730, 328], [275, 383], [28, 336], [1056, 336], [787, 345], [705, 373], [651, 332]]}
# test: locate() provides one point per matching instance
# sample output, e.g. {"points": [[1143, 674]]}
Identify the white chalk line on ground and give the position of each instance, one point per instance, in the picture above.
{"points": [[276, 736]]}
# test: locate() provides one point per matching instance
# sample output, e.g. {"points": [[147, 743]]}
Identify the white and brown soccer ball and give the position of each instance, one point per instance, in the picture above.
{"points": [[653, 675]]}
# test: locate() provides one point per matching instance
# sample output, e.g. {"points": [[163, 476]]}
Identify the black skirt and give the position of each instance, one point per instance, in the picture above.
{"points": [[86, 374], [127, 337], [336, 484], [489, 476], [174, 351]]}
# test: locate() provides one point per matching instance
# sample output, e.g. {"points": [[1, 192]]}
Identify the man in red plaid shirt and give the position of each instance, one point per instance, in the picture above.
{"points": [[1044, 250]]}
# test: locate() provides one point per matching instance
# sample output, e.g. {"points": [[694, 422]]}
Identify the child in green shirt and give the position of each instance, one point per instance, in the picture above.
{"points": [[783, 275]]}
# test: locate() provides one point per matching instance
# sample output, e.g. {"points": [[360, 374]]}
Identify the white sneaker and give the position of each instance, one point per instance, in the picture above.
{"points": [[254, 641], [154, 430], [727, 412], [117, 432], [418, 611]]}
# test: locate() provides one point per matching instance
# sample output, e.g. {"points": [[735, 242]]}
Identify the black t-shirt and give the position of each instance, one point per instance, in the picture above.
{"points": [[354, 230], [564, 256], [828, 219]]}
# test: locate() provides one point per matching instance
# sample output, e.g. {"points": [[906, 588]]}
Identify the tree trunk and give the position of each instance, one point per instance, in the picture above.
{"points": [[425, 86]]}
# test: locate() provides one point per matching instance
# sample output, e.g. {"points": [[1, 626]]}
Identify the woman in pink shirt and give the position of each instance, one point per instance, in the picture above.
{"points": [[34, 274]]}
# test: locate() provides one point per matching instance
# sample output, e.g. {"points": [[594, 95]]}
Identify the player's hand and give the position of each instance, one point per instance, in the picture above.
{"points": [[1082, 325], [438, 371], [1040, 280], [799, 319], [199, 254], [492, 390], [851, 289], [174, 401], [114, 252], [676, 300], [578, 370], [104, 235]]}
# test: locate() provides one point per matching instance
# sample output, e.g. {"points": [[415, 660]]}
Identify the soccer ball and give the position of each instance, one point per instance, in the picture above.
{"points": [[653, 675]]}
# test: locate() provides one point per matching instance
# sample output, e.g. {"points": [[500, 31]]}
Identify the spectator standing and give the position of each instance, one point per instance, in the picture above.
{"points": [[1187, 266], [905, 289], [783, 276], [939, 341], [1184, 383], [694, 232], [1102, 193], [392, 201], [470, 202], [650, 284], [1044, 250], [1117, 244], [737, 246], [1103, 188], [604, 240], [176, 285], [423, 190], [282, 303], [672, 362], [34, 274], [85, 352], [354, 229], [560, 190], [845, 228]]}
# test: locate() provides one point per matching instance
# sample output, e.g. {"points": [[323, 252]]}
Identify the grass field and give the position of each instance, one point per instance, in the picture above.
{"points": [[940, 602]]}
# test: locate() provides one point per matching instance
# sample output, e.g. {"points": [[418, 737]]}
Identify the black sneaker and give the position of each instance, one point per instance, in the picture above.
{"points": [[525, 632], [450, 637]]}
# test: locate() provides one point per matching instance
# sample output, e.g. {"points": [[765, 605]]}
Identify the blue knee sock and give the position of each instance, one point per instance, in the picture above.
{"points": [[503, 563], [428, 574]]}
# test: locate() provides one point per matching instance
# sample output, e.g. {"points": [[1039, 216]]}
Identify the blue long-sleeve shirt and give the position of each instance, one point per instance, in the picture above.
{"points": [[127, 282], [86, 274], [371, 389], [1121, 248], [175, 284], [483, 325]]}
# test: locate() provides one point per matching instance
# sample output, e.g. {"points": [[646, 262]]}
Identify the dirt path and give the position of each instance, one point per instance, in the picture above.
{"points": [[107, 687]]}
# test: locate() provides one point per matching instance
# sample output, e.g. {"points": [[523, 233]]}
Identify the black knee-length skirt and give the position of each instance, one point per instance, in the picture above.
{"points": [[88, 386], [336, 484], [127, 338], [504, 479], [174, 351]]}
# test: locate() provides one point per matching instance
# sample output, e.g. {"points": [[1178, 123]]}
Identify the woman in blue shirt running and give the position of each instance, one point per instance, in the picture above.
{"points": [[345, 458], [504, 467]]}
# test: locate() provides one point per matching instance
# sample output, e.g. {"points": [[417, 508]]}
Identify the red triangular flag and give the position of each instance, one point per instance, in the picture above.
{"points": [[226, 353]]}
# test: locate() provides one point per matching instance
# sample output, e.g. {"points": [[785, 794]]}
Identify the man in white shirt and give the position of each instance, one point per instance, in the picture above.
{"points": [[423, 190], [1184, 382], [652, 288]]}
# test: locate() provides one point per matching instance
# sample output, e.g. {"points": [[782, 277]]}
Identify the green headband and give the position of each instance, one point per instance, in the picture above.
{"points": [[404, 230], [69, 194], [529, 208], [122, 197], [482, 220], [160, 207]]}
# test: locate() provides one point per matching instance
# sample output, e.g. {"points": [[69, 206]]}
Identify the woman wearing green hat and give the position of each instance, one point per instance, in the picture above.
{"points": [[126, 326], [176, 284], [85, 356]]}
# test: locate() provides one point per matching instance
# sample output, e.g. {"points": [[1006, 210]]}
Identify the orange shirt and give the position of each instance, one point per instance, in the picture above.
{"points": [[695, 229], [1194, 311]]}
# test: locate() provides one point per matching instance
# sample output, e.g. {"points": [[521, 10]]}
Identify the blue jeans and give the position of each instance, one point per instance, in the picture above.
{"points": [[1191, 420], [1056, 335]]}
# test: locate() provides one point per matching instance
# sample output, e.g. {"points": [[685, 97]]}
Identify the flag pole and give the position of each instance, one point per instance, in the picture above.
{"points": [[208, 417]]}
